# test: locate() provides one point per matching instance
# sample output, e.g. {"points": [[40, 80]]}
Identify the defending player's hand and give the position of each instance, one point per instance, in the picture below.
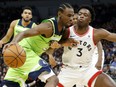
{"points": [[55, 44], [52, 61], [70, 42], [98, 65]]}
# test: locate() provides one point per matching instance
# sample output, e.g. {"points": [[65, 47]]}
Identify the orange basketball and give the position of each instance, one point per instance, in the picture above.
{"points": [[14, 56]]}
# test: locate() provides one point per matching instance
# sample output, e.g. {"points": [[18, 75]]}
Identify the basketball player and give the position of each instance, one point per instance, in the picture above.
{"points": [[75, 19], [98, 56], [19, 25], [38, 42], [77, 60]]}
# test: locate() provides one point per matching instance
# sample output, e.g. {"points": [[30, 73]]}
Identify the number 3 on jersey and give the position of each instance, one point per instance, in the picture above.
{"points": [[79, 52]]}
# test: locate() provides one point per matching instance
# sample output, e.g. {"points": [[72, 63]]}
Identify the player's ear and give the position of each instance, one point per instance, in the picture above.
{"points": [[31, 16], [59, 14]]}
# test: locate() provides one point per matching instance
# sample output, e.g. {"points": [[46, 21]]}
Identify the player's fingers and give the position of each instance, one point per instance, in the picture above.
{"points": [[74, 44], [1, 43], [6, 46], [55, 45], [17, 44], [98, 67], [52, 61]]}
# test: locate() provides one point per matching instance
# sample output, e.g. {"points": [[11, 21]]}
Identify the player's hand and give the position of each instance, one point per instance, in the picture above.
{"points": [[70, 42], [1, 44], [98, 65], [52, 61], [55, 44], [7, 45]]}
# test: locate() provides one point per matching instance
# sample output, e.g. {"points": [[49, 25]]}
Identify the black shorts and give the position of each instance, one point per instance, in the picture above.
{"points": [[7, 83]]}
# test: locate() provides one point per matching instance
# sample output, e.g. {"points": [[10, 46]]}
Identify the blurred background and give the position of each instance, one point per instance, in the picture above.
{"points": [[105, 17]]}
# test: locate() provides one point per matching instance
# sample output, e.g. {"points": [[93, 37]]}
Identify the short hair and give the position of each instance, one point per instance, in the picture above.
{"points": [[27, 7], [64, 6], [88, 7]]}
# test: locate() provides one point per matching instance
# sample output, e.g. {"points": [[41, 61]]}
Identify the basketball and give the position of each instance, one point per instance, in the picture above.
{"points": [[14, 56]]}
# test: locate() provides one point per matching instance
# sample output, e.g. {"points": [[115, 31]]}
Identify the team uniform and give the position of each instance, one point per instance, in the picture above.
{"points": [[34, 65], [77, 61], [95, 57], [19, 27]]}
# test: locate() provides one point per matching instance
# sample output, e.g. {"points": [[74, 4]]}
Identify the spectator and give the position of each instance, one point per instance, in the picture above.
{"points": [[113, 67]]}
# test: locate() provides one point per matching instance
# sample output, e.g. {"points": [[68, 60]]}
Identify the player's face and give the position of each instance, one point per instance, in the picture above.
{"points": [[75, 19], [84, 17], [67, 16], [27, 15]]}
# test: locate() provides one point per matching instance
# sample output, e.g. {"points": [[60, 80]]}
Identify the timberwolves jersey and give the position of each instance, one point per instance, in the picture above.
{"points": [[40, 44], [81, 55], [19, 27]]}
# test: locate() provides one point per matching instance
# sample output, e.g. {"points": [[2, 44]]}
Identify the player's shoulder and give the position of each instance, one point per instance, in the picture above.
{"points": [[35, 24], [99, 30], [15, 21], [50, 20]]}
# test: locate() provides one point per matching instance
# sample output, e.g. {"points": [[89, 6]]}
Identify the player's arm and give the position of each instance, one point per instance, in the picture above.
{"points": [[66, 41], [52, 61], [55, 44], [100, 59], [9, 33], [45, 29], [104, 34], [34, 25]]}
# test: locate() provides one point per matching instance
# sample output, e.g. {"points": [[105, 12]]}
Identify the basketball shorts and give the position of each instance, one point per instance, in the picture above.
{"points": [[81, 76]]}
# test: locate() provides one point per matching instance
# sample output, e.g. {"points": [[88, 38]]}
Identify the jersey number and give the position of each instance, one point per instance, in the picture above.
{"points": [[79, 52]]}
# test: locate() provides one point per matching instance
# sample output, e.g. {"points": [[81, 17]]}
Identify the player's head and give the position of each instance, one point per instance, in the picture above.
{"points": [[65, 14], [27, 14], [75, 18], [86, 15]]}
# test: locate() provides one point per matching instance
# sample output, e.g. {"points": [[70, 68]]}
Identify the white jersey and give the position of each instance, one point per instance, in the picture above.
{"points": [[95, 57], [82, 54]]}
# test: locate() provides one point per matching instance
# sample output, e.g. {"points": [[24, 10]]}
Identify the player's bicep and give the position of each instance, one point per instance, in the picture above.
{"points": [[104, 34], [44, 28], [111, 37]]}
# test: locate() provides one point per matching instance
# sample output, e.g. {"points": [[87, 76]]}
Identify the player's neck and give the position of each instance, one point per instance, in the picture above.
{"points": [[81, 30], [60, 25], [25, 23]]}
